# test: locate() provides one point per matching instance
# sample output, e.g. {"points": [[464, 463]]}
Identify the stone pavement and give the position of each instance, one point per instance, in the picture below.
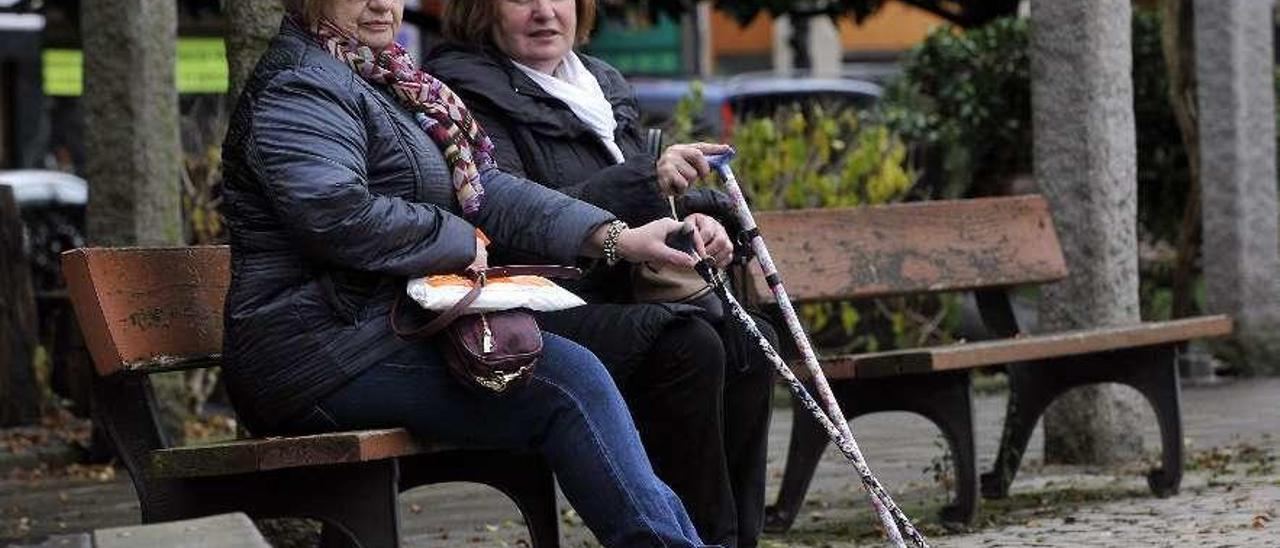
{"points": [[1230, 495]]}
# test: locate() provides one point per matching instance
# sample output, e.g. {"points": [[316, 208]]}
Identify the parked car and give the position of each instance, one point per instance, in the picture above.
{"points": [[747, 95]]}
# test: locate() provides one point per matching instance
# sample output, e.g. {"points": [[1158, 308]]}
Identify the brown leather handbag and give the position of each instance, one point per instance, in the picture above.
{"points": [[491, 351]]}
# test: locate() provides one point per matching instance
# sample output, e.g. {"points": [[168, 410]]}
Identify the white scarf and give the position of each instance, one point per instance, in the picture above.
{"points": [[578, 88]]}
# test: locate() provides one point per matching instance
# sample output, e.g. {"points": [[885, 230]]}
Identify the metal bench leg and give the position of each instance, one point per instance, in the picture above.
{"points": [[949, 404], [1030, 392], [1157, 380], [530, 483], [808, 441], [943, 397], [525, 478], [319, 492]]}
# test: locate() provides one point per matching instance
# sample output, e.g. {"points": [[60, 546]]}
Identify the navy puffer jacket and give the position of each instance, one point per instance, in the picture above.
{"points": [[334, 196]]}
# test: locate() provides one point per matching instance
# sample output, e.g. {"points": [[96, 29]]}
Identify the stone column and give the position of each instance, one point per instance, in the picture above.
{"points": [[823, 48], [1236, 96], [131, 122], [1085, 163]]}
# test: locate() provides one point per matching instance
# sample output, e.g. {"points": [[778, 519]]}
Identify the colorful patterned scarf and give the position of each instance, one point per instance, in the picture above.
{"points": [[438, 110]]}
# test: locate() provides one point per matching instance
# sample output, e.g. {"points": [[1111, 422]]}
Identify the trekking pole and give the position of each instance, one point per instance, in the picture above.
{"points": [[832, 420]]}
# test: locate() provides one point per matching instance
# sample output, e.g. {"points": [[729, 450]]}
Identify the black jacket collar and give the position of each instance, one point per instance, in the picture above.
{"points": [[482, 74]]}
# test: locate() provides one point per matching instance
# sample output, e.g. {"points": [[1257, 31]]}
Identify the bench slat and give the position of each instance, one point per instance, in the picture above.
{"points": [[242, 456], [878, 251], [1025, 348]]}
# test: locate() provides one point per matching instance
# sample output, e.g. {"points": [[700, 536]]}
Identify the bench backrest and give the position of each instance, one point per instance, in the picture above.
{"points": [[879, 251], [149, 309]]}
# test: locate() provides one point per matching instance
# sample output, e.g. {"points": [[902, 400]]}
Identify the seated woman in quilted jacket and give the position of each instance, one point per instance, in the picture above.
{"points": [[349, 170]]}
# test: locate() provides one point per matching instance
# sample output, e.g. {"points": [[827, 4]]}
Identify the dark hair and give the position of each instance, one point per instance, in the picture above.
{"points": [[473, 21]]}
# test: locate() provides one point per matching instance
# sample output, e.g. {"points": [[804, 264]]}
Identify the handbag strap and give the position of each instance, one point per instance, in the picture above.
{"points": [[546, 271], [440, 322], [445, 318]]}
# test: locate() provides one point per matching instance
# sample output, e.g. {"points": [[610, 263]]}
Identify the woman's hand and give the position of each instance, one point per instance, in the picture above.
{"points": [[682, 165], [644, 244], [647, 244], [715, 239]]}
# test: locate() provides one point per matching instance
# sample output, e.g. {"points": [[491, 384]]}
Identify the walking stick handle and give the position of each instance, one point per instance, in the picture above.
{"points": [[682, 240], [721, 161]]}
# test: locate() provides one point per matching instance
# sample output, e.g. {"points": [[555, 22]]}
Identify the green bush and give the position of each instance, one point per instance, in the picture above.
{"points": [[966, 98], [797, 159]]}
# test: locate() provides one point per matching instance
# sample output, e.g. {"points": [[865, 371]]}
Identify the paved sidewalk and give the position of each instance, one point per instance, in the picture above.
{"points": [[1230, 495]]}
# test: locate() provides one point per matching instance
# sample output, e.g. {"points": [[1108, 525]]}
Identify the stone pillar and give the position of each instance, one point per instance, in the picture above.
{"points": [[1085, 163], [823, 48], [251, 24], [1236, 96], [132, 146]]}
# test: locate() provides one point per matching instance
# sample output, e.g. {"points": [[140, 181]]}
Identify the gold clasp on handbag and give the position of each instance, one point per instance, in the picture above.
{"points": [[498, 381]]}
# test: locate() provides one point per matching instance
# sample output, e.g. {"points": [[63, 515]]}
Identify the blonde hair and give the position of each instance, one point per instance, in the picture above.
{"points": [[307, 10], [473, 21]]}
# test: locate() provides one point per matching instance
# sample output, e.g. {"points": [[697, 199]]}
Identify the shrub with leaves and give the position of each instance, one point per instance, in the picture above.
{"points": [[966, 97], [804, 158]]}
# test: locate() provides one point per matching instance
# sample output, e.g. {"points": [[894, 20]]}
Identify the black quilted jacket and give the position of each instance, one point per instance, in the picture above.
{"points": [[333, 196]]}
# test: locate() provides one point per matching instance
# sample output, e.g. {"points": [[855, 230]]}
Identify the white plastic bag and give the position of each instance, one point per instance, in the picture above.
{"points": [[442, 292]]}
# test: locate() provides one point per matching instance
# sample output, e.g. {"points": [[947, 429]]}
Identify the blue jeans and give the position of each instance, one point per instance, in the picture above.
{"points": [[570, 412]]}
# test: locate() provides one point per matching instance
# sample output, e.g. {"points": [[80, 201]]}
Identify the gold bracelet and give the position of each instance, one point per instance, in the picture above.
{"points": [[611, 256]]}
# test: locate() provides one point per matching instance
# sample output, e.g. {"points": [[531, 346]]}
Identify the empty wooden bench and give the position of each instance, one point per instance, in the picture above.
{"points": [[152, 310], [987, 246]]}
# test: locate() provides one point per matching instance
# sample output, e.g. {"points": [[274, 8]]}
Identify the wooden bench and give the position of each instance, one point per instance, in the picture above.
{"points": [[152, 310], [987, 246]]}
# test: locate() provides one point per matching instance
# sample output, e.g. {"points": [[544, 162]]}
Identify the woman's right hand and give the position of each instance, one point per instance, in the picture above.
{"points": [[682, 165], [648, 244]]}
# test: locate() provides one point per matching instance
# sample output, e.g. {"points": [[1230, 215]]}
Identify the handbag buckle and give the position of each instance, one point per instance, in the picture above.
{"points": [[498, 381]]}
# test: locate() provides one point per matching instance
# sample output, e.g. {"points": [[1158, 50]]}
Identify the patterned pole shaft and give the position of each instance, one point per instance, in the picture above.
{"points": [[888, 511]]}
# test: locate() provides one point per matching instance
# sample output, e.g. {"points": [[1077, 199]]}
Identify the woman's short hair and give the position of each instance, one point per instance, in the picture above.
{"points": [[307, 10], [473, 21]]}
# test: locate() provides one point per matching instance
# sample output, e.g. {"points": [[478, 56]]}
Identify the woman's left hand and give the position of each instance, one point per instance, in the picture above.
{"points": [[715, 239]]}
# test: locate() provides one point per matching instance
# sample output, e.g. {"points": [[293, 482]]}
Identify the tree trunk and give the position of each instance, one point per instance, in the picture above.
{"points": [[1085, 163], [19, 391], [1178, 40], [132, 144], [133, 152], [251, 24], [1235, 74]]}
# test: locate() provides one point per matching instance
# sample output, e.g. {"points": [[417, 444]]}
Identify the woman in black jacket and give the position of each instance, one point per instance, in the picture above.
{"points": [[347, 171], [568, 121]]}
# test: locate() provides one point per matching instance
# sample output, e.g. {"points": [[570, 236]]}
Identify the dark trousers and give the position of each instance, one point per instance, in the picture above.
{"points": [[701, 399]]}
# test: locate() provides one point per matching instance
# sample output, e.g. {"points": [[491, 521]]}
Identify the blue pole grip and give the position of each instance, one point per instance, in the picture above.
{"points": [[720, 162]]}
